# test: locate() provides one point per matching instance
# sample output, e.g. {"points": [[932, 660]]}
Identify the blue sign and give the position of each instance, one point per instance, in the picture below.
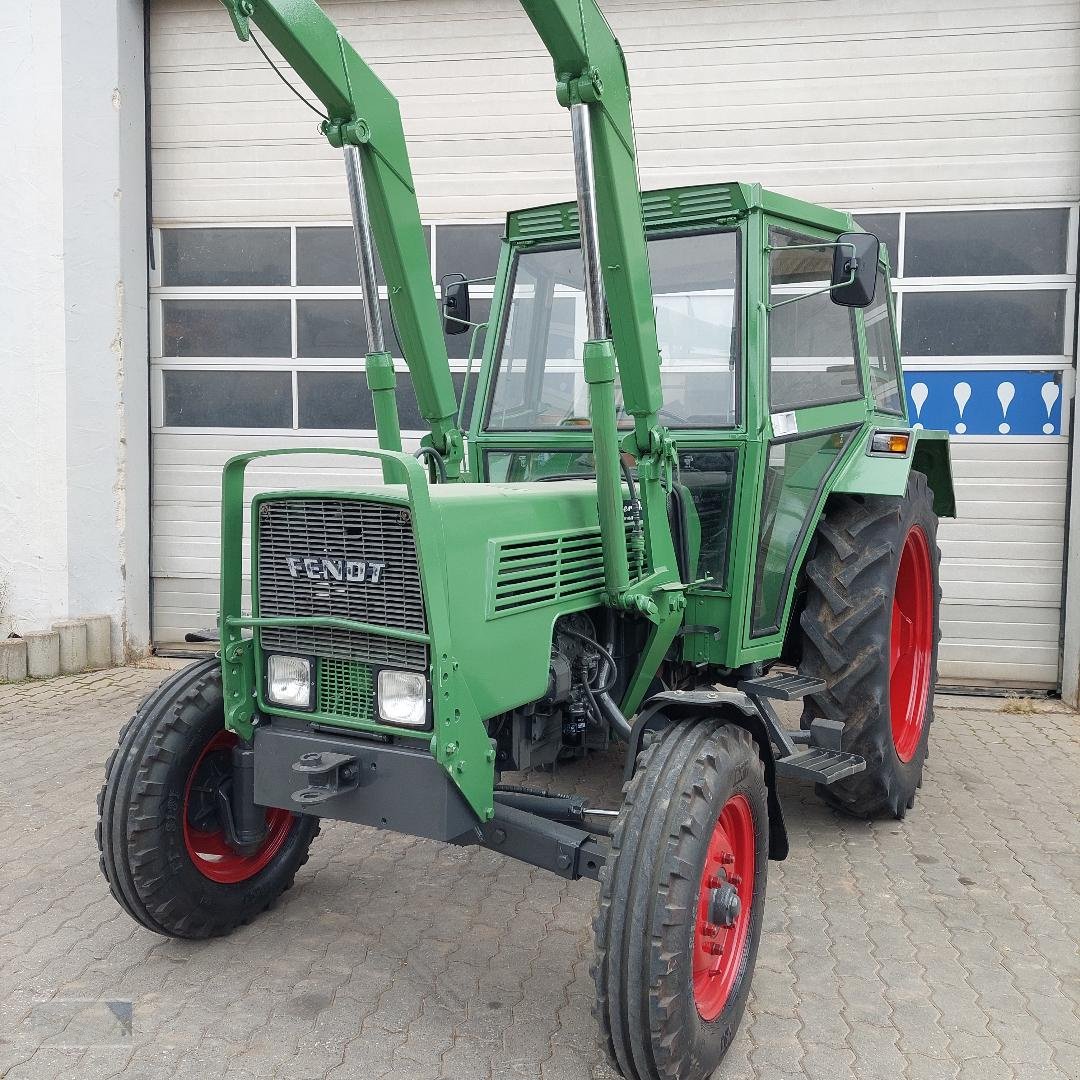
{"points": [[985, 402]]}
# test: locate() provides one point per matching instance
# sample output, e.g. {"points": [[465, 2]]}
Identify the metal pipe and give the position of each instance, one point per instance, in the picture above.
{"points": [[585, 179], [365, 249]]}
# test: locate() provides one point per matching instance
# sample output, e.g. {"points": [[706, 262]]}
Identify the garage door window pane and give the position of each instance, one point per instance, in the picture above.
{"points": [[326, 255], [983, 243], [330, 328], [228, 399], [886, 227], [991, 323], [334, 399], [226, 328], [225, 257], [811, 341], [472, 250]]}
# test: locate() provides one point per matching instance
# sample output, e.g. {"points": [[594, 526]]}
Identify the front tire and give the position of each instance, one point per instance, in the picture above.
{"points": [[870, 631], [681, 902], [163, 849]]}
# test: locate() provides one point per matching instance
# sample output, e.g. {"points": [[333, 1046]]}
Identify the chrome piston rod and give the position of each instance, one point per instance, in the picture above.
{"points": [[585, 179], [365, 250]]}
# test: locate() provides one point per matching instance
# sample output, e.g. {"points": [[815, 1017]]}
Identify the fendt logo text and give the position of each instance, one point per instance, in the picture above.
{"points": [[319, 568]]}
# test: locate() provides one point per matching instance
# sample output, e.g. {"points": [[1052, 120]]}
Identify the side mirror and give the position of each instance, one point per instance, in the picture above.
{"points": [[854, 269], [455, 304]]}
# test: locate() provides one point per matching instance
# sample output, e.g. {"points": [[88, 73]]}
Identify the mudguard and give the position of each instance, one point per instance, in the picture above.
{"points": [[873, 475], [734, 707]]}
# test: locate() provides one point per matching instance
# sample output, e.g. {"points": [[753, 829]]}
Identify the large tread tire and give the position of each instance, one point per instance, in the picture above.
{"points": [[846, 640], [140, 829], [649, 902]]}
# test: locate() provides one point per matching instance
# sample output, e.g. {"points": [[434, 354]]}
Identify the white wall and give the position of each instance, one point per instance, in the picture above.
{"points": [[73, 504]]}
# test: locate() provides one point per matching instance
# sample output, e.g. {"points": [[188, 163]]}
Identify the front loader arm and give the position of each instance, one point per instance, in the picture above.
{"points": [[592, 82], [590, 69], [363, 113]]}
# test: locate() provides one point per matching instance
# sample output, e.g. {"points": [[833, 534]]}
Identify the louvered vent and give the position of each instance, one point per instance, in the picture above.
{"points": [[536, 571]]}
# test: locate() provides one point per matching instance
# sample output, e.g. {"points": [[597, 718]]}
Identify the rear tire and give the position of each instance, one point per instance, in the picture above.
{"points": [[162, 849], [690, 845], [870, 631]]}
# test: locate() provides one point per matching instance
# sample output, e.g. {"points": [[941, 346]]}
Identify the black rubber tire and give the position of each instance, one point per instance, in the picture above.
{"points": [[648, 902], [846, 629], [139, 832]]}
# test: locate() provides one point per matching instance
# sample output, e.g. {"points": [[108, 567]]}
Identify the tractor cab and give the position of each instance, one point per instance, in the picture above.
{"points": [[778, 353]]}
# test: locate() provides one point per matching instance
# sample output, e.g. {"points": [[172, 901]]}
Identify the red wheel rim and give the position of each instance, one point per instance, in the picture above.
{"points": [[720, 943], [911, 645], [207, 846]]}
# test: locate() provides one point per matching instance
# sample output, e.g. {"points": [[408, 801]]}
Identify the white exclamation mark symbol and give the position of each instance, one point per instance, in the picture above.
{"points": [[919, 393], [1050, 393], [962, 393], [1005, 393]]}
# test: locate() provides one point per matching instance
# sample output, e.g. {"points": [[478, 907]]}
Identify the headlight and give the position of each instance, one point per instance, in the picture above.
{"points": [[403, 698], [288, 681]]}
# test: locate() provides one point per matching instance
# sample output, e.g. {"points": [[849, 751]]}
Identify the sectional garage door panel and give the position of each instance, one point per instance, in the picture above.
{"points": [[946, 108], [1001, 568]]}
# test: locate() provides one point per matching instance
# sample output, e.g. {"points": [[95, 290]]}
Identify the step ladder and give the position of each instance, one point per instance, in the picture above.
{"points": [[813, 755]]}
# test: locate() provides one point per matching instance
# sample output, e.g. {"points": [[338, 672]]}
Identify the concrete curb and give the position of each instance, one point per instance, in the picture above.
{"points": [[72, 645], [98, 641], [12, 660], [42, 654]]}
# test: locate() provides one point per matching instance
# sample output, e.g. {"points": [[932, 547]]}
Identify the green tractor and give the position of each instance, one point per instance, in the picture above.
{"points": [[688, 490]]}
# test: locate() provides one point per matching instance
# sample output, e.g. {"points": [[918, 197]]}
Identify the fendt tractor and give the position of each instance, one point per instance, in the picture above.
{"points": [[688, 492]]}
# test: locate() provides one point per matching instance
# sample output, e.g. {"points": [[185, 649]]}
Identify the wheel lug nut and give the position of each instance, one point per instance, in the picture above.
{"points": [[728, 859], [709, 930], [714, 882], [715, 948]]}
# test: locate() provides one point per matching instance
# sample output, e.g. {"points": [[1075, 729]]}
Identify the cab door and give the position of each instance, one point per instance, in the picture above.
{"points": [[816, 404]]}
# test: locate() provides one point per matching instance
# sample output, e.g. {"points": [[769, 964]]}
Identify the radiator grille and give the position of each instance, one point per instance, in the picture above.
{"points": [[345, 689], [341, 529]]}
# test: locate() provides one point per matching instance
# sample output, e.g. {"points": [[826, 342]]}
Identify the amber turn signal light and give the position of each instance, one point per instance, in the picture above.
{"points": [[890, 442]]}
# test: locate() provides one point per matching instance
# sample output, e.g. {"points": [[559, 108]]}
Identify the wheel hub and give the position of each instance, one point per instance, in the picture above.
{"points": [[724, 906]]}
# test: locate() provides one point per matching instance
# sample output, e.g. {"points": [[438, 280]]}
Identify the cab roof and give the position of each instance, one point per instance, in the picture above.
{"points": [[678, 207]]}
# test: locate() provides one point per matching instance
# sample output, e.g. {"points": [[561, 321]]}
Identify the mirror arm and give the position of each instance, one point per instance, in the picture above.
{"points": [[477, 327], [817, 292]]}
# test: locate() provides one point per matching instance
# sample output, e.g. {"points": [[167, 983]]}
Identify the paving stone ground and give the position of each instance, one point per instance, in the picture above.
{"points": [[944, 946]]}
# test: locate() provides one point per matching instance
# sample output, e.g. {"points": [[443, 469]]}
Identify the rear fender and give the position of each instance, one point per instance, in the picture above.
{"points": [[866, 475], [732, 707]]}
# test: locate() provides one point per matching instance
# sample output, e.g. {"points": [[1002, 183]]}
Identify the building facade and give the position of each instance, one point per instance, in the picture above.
{"points": [[952, 131]]}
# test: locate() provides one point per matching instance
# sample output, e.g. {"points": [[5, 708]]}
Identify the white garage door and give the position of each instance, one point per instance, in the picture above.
{"points": [[921, 115]]}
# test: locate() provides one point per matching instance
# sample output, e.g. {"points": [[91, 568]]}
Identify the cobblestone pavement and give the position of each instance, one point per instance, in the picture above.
{"points": [[947, 945]]}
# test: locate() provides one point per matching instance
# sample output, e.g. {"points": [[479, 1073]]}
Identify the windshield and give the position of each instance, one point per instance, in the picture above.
{"points": [[539, 381]]}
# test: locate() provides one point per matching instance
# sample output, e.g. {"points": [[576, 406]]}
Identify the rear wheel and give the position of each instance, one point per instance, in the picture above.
{"points": [[163, 846], [681, 901], [870, 631]]}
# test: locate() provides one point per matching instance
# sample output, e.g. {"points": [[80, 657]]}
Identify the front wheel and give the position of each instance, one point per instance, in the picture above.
{"points": [[681, 901], [163, 846], [870, 631]]}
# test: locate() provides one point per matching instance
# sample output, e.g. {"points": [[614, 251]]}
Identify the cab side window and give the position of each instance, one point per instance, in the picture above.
{"points": [[812, 341], [881, 351]]}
